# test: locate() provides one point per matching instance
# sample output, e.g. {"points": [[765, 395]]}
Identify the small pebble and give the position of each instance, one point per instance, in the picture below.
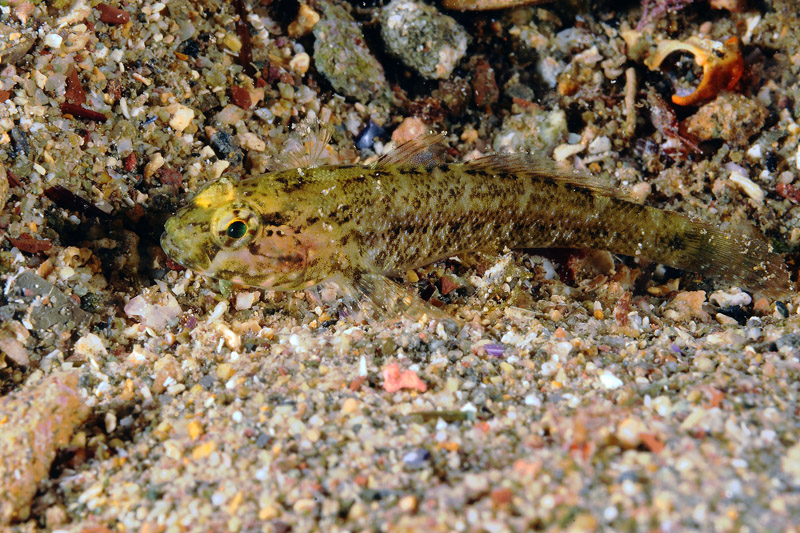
{"points": [[731, 298], [417, 458], [704, 364], [408, 504], [233, 42], [224, 371], [533, 400], [410, 128], [307, 18], [562, 349], [349, 406], [610, 381], [365, 139], [53, 40], [600, 145], [181, 117], [629, 432], [195, 429], [241, 97], [501, 496], [300, 63], [251, 141]]}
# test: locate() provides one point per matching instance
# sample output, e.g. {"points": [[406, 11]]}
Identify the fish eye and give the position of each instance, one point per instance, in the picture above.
{"points": [[237, 229], [236, 225]]}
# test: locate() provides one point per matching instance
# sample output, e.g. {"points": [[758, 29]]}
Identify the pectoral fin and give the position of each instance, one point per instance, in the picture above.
{"points": [[387, 300]]}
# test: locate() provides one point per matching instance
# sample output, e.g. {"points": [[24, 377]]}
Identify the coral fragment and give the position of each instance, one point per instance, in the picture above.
{"points": [[394, 379]]}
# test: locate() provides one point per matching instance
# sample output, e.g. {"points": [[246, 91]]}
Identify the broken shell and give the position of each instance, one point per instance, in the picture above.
{"points": [[722, 65]]}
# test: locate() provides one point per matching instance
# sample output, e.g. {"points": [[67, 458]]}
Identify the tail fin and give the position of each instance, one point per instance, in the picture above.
{"points": [[687, 243], [741, 259]]}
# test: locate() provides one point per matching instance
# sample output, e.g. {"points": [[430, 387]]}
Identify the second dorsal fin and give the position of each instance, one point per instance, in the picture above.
{"points": [[425, 151], [526, 164]]}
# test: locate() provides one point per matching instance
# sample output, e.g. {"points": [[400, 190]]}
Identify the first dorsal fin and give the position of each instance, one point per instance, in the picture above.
{"points": [[425, 151], [526, 164]]}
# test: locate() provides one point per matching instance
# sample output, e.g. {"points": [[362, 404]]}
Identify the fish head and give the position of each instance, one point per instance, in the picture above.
{"points": [[227, 235]]}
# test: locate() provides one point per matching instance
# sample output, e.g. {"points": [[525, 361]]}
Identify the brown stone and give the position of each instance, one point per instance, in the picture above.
{"points": [[112, 15], [36, 422]]}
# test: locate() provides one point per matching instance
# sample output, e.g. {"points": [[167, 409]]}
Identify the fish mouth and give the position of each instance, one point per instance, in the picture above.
{"points": [[168, 245], [180, 251]]}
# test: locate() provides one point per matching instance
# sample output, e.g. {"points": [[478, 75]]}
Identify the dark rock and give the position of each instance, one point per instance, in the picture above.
{"points": [[190, 47], [222, 144], [366, 137], [49, 307], [19, 139]]}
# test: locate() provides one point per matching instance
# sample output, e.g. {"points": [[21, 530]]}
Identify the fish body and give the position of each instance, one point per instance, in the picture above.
{"points": [[355, 225]]}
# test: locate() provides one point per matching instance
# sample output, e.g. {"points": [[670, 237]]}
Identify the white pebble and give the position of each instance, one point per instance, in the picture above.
{"points": [[469, 408], [533, 400], [749, 187], [244, 300], [610, 513], [53, 40], [562, 349], [300, 63], [218, 311], [600, 145], [549, 368], [754, 152], [610, 381], [640, 191], [734, 297], [90, 345], [662, 405], [175, 389], [152, 166]]}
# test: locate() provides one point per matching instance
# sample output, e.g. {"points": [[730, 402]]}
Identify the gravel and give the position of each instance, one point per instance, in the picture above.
{"points": [[580, 391]]}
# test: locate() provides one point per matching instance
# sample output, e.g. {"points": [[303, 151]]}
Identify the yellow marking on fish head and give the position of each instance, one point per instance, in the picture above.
{"points": [[216, 194]]}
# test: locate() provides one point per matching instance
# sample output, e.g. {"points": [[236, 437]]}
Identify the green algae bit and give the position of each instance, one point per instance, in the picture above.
{"points": [[355, 225]]}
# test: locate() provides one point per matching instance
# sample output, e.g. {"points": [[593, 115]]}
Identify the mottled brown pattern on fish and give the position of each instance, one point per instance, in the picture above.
{"points": [[333, 222]]}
